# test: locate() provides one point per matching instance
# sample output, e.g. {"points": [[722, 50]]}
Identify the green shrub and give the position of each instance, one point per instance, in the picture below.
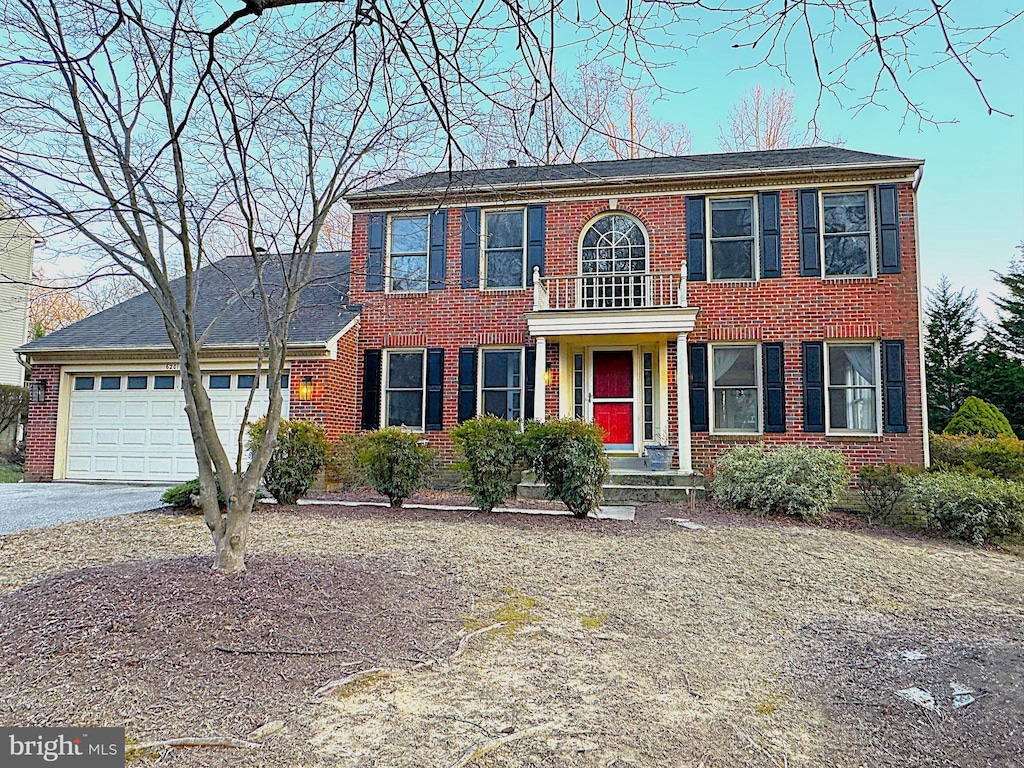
{"points": [[297, 457], [883, 486], [976, 417], [999, 456], [970, 509], [798, 481], [394, 462], [491, 450], [341, 465], [180, 496], [568, 456]]}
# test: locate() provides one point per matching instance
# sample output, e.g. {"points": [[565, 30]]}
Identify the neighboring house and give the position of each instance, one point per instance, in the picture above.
{"points": [[707, 301], [17, 243], [113, 407]]}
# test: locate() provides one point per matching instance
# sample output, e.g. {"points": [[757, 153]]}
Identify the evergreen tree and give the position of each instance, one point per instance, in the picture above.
{"points": [[952, 321], [1009, 329], [997, 377]]}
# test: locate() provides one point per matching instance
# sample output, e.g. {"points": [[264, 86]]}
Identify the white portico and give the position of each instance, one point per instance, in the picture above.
{"points": [[614, 368]]}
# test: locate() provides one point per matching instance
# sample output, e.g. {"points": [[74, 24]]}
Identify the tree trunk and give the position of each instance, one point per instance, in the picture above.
{"points": [[230, 539]]}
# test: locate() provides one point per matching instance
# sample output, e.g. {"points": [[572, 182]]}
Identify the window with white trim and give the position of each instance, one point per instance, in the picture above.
{"points": [[736, 388], [613, 260], [407, 253], [846, 233], [733, 241], [501, 382], [853, 391], [405, 391], [504, 249]]}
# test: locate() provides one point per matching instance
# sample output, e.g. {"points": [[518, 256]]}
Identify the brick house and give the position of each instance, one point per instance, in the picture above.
{"points": [[782, 287]]}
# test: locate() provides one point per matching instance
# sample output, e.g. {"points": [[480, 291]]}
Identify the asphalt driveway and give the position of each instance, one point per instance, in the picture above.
{"points": [[33, 505]]}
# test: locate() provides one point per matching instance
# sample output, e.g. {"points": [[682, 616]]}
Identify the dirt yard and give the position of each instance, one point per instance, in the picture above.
{"points": [[610, 644]]}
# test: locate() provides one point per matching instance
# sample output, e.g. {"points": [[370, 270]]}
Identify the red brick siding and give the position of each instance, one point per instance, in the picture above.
{"points": [[790, 309], [333, 401], [41, 432]]}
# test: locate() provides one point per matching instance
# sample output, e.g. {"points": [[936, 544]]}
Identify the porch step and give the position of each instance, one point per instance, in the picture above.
{"points": [[631, 487]]}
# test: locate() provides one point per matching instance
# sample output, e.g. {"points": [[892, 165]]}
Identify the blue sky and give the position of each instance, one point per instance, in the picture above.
{"points": [[972, 196]]}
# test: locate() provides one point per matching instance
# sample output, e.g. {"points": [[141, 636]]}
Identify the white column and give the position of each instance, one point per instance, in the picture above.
{"points": [[683, 404], [539, 386]]}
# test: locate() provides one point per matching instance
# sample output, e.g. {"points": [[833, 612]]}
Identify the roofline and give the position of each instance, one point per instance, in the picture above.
{"points": [[25, 350], [380, 194]]}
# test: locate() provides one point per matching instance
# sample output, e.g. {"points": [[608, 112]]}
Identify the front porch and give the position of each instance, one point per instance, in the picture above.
{"points": [[612, 351]]}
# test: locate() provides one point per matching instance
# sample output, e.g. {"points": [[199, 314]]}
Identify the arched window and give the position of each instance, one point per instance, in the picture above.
{"points": [[613, 259]]}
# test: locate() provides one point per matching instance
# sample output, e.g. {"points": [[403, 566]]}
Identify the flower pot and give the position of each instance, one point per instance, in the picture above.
{"points": [[659, 457]]}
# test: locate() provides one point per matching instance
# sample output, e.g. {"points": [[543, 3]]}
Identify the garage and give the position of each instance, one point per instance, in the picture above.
{"points": [[106, 403], [131, 425]]}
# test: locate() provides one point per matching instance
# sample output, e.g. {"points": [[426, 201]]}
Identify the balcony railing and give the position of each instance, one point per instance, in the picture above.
{"points": [[630, 290]]}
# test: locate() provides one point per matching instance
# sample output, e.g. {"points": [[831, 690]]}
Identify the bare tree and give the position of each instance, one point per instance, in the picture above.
{"points": [[596, 113], [155, 141], [761, 120], [157, 131]]}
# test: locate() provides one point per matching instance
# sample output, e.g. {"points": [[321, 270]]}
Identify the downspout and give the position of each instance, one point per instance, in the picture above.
{"points": [[921, 335]]}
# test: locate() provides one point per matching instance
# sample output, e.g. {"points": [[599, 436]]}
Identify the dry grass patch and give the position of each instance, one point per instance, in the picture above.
{"points": [[623, 644]]}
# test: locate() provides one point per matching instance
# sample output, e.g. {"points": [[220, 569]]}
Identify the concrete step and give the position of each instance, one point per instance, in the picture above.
{"points": [[617, 493], [670, 479]]}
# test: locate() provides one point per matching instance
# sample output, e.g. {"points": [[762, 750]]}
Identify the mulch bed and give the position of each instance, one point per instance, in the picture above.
{"points": [[139, 641]]}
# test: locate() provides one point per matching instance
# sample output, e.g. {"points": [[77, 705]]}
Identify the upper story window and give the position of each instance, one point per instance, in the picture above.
{"points": [[613, 260], [736, 393], [504, 249], [407, 253], [614, 243], [733, 250], [846, 232], [853, 393]]}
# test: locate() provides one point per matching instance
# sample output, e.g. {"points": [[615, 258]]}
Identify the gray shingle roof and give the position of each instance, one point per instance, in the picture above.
{"points": [[643, 168], [138, 324]]}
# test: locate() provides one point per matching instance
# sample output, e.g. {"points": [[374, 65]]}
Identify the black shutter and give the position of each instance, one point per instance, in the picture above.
{"points": [[810, 258], [698, 387], [814, 386], [774, 388], [375, 252], [470, 247], [895, 391], [888, 230], [771, 252], [531, 381], [696, 261], [438, 250], [534, 240], [467, 383], [371, 388], [435, 387]]}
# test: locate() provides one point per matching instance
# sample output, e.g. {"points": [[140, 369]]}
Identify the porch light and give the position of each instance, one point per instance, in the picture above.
{"points": [[37, 391], [306, 388], [547, 376]]}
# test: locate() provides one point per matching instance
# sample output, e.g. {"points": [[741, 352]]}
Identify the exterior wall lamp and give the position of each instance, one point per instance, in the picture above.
{"points": [[37, 391], [547, 376], [306, 388]]}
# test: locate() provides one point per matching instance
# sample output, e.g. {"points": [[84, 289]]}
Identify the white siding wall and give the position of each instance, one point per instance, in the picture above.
{"points": [[17, 242]]}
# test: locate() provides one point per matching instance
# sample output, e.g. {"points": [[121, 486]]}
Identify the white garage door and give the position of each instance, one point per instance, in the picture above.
{"points": [[132, 426]]}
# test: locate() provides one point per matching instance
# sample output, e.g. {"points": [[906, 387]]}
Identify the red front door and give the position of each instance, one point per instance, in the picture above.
{"points": [[613, 396]]}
